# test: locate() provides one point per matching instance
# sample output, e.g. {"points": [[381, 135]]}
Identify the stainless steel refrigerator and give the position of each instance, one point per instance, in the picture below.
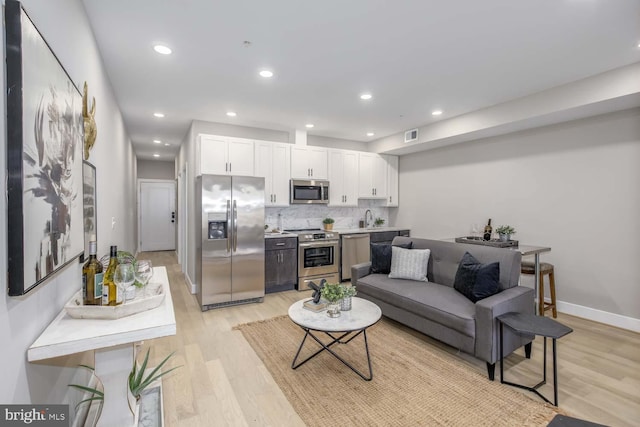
{"points": [[229, 240]]}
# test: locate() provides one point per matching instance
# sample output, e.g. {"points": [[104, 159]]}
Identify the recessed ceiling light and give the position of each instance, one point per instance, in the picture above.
{"points": [[231, 113], [309, 125], [266, 73], [436, 112], [157, 141], [161, 49], [370, 133], [156, 155], [365, 96], [166, 144], [159, 115]]}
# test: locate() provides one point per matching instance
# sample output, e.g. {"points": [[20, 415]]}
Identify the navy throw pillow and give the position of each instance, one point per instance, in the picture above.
{"points": [[381, 257], [475, 280]]}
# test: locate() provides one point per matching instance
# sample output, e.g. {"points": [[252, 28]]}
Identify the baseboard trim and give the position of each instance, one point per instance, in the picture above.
{"points": [[605, 317], [190, 285]]}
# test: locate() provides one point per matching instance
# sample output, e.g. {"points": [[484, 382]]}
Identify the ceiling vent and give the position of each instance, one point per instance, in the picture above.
{"points": [[411, 135]]}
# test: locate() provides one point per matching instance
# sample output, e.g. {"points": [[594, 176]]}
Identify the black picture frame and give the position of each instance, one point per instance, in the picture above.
{"points": [[45, 137], [89, 207]]}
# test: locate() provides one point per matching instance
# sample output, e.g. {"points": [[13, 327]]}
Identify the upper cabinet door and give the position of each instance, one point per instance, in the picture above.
{"points": [[343, 176], [349, 180], [372, 177], [240, 157], [309, 162], [273, 161], [222, 155], [392, 181], [280, 174], [212, 155]]}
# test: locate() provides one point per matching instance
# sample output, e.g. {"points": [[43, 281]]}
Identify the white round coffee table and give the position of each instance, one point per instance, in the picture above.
{"points": [[341, 330]]}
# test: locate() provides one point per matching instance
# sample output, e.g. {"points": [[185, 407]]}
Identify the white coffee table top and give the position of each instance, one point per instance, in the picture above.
{"points": [[363, 314]]}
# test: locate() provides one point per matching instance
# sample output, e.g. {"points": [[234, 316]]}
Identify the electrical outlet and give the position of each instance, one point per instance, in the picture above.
{"points": [[113, 222]]}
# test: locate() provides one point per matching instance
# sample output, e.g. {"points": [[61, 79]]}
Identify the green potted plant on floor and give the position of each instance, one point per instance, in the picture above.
{"points": [[333, 293], [505, 232], [328, 223]]}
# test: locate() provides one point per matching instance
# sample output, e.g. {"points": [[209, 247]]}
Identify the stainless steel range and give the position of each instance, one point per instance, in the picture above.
{"points": [[318, 256]]}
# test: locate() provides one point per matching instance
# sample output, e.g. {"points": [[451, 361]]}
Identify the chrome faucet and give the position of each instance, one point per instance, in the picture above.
{"points": [[367, 214]]}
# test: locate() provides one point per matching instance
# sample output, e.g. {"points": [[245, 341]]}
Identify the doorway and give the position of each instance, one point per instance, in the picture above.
{"points": [[157, 227]]}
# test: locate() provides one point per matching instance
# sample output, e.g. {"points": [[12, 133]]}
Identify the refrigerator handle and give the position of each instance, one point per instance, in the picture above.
{"points": [[235, 226], [228, 225]]}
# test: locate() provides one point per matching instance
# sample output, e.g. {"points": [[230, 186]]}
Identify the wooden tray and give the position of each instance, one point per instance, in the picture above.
{"points": [[75, 309], [493, 242]]}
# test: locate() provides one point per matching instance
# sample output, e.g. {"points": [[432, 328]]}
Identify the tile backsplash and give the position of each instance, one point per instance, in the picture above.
{"points": [[311, 216]]}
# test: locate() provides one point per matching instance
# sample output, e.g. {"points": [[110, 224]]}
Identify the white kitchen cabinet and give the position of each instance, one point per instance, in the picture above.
{"points": [[272, 161], [392, 180], [309, 162], [223, 155], [343, 168], [372, 176]]}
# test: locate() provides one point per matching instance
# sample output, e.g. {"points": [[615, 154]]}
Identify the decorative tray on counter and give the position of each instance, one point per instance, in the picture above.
{"points": [[493, 242], [154, 297]]}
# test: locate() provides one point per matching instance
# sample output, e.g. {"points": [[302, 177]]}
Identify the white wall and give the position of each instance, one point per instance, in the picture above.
{"points": [[342, 144], [154, 169], [65, 26], [572, 186]]}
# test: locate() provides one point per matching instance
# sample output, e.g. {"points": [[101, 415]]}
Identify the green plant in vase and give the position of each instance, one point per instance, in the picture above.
{"points": [[349, 291], [138, 382], [328, 223], [505, 232], [379, 222], [333, 294]]}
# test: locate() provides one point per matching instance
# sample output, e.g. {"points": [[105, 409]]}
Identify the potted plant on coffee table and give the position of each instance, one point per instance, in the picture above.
{"points": [[328, 223], [333, 293], [349, 291], [505, 232]]}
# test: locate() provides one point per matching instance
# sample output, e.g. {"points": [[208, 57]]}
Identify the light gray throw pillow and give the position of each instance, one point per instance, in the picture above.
{"points": [[409, 263]]}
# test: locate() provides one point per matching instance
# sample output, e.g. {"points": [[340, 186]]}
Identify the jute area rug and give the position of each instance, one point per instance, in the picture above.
{"points": [[414, 383]]}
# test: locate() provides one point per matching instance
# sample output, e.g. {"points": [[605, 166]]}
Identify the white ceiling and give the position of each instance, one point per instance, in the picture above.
{"points": [[413, 56]]}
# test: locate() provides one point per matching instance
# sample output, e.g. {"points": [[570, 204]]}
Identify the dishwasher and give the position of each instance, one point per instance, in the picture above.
{"points": [[355, 250]]}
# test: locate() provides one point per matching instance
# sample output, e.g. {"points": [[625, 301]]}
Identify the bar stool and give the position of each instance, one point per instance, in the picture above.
{"points": [[545, 269]]}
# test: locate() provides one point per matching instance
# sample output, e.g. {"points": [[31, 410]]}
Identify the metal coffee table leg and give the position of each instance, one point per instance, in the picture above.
{"points": [[334, 340]]}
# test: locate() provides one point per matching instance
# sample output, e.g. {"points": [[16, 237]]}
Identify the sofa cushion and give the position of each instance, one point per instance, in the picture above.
{"points": [[409, 264], [441, 304], [381, 256], [476, 280]]}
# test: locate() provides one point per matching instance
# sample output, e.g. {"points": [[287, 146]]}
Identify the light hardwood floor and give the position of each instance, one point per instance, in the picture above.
{"points": [[223, 383]]}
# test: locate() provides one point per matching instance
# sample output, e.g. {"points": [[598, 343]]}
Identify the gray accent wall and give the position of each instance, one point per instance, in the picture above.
{"points": [[155, 169], [67, 30], [573, 186]]}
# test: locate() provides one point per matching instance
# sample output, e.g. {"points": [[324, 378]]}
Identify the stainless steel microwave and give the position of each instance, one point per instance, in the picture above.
{"points": [[306, 192]]}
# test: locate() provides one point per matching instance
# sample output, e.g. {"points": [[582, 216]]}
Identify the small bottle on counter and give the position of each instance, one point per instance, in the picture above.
{"points": [[114, 296], [487, 231], [92, 277]]}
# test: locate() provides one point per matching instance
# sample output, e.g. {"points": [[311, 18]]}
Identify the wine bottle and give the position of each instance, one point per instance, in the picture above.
{"points": [[487, 231], [92, 277], [115, 297]]}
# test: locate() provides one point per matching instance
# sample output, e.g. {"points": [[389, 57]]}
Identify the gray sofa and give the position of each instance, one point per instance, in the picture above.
{"points": [[436, 309]]}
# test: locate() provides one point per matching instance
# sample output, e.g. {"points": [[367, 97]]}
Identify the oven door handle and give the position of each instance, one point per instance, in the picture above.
{"points": [[318, 244]]}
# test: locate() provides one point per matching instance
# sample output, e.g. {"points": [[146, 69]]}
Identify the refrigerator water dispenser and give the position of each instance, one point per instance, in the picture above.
{"points": [[217, 229]]}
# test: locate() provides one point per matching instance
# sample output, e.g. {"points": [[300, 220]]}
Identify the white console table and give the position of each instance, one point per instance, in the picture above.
{"points": [[113, 342]]}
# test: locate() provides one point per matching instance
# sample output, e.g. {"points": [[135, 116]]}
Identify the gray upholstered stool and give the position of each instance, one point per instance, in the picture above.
{"points": [[545, 269]]}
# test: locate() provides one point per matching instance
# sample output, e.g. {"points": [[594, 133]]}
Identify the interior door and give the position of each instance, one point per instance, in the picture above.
{"points": [[157, 215]]}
